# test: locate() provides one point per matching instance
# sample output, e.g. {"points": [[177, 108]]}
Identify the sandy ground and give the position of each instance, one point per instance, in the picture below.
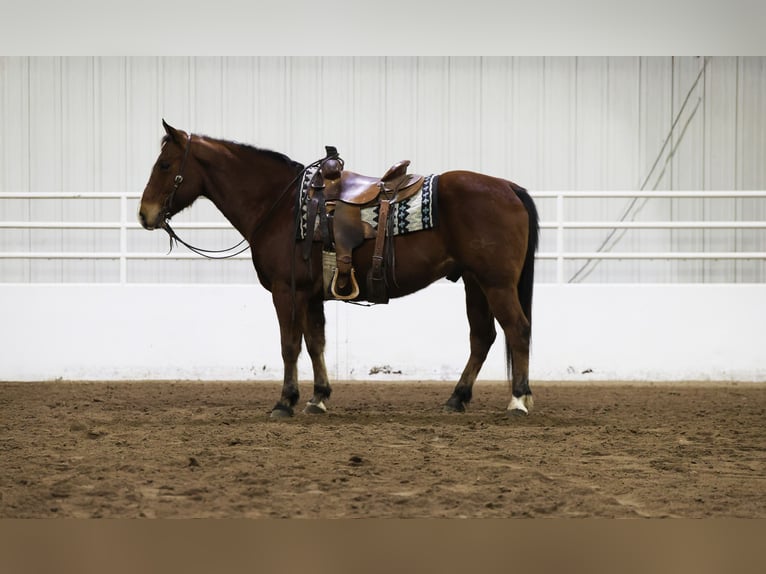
{"points": [[193, 449]]}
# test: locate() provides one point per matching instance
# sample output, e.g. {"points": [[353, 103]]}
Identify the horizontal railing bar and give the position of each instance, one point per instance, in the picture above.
{"points": [[207, 225], [57, 225], [68, 195], [128, 222], [542, 255], [654, 255], [655, 225], [658, 194], [706, 194], [106, 225], [107, 255]]}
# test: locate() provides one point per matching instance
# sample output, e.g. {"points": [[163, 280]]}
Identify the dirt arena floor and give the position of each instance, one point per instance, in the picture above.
{"points": [[198, 449]]}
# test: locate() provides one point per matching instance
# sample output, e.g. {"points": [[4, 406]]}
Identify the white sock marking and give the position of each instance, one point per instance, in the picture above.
{"points": [[518, 404]]}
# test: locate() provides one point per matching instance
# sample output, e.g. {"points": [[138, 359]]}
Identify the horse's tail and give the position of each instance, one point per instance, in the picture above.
{"points": [[526, 281]]}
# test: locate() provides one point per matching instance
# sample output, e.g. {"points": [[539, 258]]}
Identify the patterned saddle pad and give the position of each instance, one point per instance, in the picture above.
{"points": [[416, 213]]}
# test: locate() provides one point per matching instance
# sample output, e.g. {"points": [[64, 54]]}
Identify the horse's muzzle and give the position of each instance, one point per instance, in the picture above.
{"points": [[149, 217]]}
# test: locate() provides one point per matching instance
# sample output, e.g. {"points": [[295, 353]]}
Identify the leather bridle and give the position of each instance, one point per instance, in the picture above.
{"points": [[179, 179]]}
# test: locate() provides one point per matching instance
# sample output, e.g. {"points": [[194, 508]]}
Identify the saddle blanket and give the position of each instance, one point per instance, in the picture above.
{"points": [[416, 213]]}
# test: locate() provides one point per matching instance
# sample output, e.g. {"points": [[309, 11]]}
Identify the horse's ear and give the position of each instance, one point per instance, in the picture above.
{"points": [[174, 134]]}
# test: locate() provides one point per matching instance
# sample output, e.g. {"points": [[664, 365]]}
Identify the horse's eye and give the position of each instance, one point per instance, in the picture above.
{"points": [[164, 166]]}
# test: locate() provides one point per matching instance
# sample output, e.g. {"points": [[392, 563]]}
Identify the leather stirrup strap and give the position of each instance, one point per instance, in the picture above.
{"points": [[377, 256]]}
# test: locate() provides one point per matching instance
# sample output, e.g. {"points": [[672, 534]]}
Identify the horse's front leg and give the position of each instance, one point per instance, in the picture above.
{"points": [[290, 324], [314, 333]]}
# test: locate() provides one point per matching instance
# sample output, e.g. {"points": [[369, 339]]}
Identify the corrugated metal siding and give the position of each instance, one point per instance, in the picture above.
{"points": [[93, 124], [751, 154]]}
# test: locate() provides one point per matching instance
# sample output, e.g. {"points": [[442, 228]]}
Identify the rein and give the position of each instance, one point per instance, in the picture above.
{"points": [[174, 239], [179, 179]]}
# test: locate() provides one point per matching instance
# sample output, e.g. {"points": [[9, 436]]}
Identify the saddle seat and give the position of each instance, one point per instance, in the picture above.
{"points": [[357, 189]]}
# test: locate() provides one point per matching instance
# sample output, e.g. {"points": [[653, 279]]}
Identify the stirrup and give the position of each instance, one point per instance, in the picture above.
{"points": [[354, 286]]}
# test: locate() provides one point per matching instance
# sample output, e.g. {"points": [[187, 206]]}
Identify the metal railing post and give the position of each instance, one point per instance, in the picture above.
{"points": [[123, 239], [560, 238]]}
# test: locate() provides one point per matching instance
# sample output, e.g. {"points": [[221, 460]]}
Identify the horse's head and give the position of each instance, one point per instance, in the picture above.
{"points": [[175, 181]]}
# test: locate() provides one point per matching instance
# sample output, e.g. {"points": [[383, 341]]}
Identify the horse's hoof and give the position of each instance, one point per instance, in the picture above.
{"points": [[315, 408], [281, 412], [453, 407], [519, 405]]}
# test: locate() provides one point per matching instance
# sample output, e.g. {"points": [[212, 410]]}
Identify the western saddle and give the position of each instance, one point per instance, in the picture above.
{"points": [[337, 197]]}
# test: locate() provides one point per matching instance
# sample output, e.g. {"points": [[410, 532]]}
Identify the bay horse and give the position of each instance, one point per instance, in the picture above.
{"points": [[487, 234]]}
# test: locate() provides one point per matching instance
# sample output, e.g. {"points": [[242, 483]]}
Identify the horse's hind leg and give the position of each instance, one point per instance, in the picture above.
{"points": [[482, 325], [506, 307], [314, 333]]}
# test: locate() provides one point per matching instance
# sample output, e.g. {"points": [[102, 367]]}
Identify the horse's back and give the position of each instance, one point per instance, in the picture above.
{"points": [[484, 197]]}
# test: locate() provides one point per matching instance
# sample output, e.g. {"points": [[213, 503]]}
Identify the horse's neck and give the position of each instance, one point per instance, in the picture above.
{"points": [[245, 194]]}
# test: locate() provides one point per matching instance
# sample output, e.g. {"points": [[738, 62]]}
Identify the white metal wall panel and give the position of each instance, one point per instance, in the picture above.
{"points": [[400, 128], [93, 125], [494, 119], [240, 98], [305, 112], [431, 108], [45, 151], [751, 153], [590, 140], [14, 154], [78, 164], [335, 115], [655, 120], [369, 116], [685, 171], [111, 168], [720, 125], [557, 143], [526, 94], [463, 113]]}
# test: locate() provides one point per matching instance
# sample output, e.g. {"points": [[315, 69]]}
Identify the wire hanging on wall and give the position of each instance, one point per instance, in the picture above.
{"points": [[635, 206]]}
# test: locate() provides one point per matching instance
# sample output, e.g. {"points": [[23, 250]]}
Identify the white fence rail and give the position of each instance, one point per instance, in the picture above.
{"points": [[559, 224], [560, 255]]}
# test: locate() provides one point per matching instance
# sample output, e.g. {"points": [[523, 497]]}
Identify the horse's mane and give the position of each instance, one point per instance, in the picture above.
{"points": [[275, 155], [241, 147]]}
